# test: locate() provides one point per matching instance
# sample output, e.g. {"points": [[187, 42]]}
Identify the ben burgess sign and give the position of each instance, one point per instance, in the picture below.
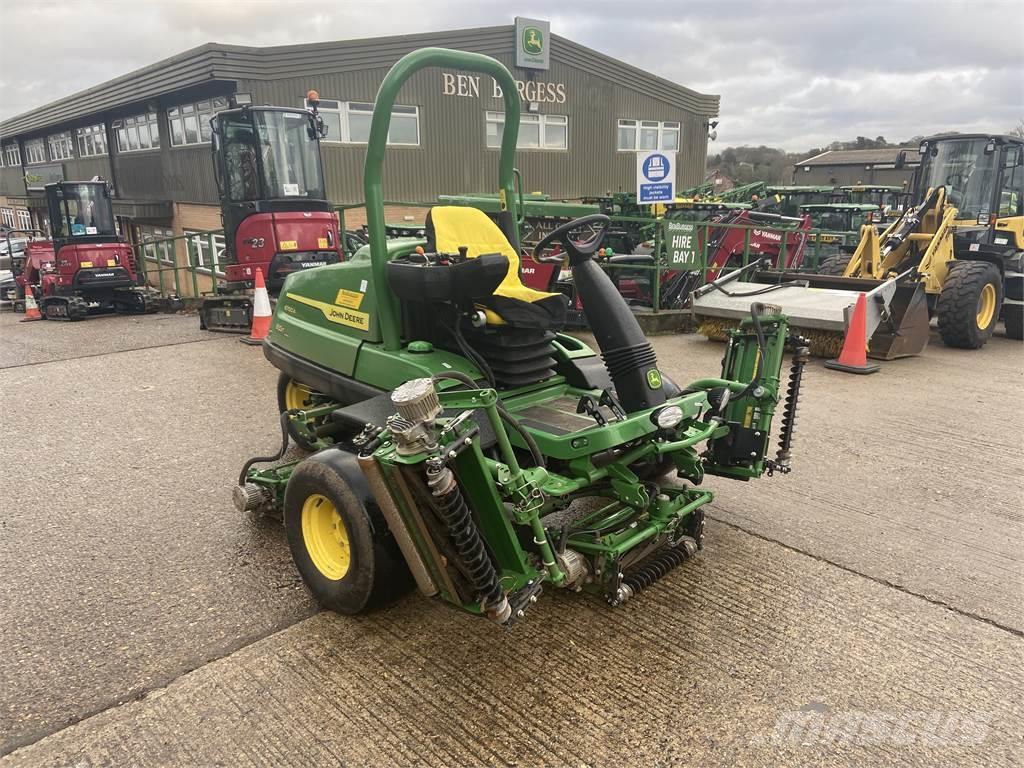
{"points": [[468, 86]]}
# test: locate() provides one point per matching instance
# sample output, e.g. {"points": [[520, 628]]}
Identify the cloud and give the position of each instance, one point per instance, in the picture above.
{"points": [[791, 73]]}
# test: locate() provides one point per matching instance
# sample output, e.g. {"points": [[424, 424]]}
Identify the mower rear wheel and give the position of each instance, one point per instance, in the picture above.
{"points": [[338, 539], [969, 304], [834, 266], [292, 395]]}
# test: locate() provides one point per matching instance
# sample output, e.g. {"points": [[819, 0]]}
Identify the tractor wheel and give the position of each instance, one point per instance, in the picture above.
{"points": [[291, 395], [968, 306], [834, 265], [1013, 319], [339, 541]]}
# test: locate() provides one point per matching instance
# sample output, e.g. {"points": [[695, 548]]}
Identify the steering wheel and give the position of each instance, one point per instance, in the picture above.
{"points": [[579, 252]]}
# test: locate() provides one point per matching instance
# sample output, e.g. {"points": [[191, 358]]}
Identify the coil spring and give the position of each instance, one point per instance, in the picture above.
{"points": [[658, 566], [451, 506], [789, 408]]}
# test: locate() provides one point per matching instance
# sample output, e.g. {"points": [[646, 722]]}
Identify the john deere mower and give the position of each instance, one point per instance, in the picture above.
{"points": [[462, 439]]}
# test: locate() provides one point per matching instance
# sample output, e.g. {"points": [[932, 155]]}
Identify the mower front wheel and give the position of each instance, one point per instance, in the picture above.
{"points": [[338, 539]]}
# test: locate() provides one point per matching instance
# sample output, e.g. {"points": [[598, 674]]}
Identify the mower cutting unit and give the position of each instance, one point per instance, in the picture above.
{"points": [[273, 204], [87, 268], [462, 438], [956, 254]]}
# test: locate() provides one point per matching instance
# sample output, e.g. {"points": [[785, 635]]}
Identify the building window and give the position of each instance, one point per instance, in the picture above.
{"points": [[24, 219], [137, 133], [35, 152], [200, 252], [92, 140], [535, 131], [157, 244], [647, 135], [7, 215], [60, 146], [190, 123], [13, 155], [349, 122]]}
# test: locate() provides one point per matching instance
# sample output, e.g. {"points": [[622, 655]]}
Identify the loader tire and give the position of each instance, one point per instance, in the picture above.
{"points": [[969, 304], [294, 394], [834, 265], [339, 540], [1013, 319]]}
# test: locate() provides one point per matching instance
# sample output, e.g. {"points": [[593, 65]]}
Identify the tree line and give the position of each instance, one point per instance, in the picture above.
{"points": [[775, 166]]}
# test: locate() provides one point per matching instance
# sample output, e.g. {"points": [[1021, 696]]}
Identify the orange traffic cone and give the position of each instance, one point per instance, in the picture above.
{"points": [[854, 356], [260, 312], [31, 308]]}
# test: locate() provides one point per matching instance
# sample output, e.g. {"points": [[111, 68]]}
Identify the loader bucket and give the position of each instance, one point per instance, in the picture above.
{"points": [[819, 308], [905, 332]]}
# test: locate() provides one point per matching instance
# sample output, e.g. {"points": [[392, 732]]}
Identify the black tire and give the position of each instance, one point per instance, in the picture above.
{"points": [[834, 265], [284, 382], [962, 321], [1013, 319], [375, 573]]}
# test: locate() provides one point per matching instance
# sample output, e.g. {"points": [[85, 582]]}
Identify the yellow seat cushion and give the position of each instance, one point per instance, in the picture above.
{"points": [[453, 226]]}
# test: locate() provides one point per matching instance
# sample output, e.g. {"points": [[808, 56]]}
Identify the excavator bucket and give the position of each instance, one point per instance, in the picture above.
{"points": [[819, 307]]}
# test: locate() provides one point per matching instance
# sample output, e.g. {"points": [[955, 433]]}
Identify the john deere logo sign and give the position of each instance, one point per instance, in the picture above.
{"points": [[533, 40], [532, 49]]}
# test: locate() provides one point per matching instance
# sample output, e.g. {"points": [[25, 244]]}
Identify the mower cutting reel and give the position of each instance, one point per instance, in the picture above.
{"points": [[472, 447]]}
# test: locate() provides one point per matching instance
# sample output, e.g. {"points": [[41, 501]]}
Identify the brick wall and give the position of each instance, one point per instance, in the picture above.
{"points": [[355, 218]]}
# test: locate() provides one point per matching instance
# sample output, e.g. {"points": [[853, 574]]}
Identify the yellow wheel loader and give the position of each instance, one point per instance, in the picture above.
{"points": [[956, 254]]}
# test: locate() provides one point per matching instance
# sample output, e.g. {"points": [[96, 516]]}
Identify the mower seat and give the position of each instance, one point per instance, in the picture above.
{"points": [[512, 304]]}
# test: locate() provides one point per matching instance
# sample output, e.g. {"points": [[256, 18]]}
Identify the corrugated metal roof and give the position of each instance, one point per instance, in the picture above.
{"points": [[860, 156], [216, 61]]}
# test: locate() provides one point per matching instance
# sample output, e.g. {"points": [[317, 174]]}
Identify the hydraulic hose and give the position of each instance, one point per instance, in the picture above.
{"points": [[508, 418], [265, 459]]}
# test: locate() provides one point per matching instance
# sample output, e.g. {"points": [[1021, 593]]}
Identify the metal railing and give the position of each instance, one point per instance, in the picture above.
{"points": [[158, 259], [158, 264]]}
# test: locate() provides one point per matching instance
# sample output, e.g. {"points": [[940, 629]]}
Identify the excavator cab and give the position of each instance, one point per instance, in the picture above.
{"points": [[277, 219]]}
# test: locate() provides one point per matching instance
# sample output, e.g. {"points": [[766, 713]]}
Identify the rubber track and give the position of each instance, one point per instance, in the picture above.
{"points": [[958, 303]]}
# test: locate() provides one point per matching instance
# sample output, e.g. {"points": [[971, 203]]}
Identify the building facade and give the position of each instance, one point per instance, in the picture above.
{"points": [[857, 166], [148, 133]]}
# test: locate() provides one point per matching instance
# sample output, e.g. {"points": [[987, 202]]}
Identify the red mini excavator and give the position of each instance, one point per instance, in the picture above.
{"points": [[87, 267], [277, 218]]}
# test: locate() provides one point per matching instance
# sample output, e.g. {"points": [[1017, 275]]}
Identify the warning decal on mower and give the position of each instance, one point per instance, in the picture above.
{"points": [[347, 298], [336, 314]]}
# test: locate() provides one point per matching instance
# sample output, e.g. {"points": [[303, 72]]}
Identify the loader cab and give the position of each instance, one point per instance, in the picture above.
{"points": [[982, 174], [80, 213], [273, 199]]}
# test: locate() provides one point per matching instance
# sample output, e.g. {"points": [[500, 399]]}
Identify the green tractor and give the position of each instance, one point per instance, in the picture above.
{"points": [[463, 443], [838, 229]]}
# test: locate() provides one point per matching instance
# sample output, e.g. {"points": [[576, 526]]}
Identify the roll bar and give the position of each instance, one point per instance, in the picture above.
{"points": [[409, 64]]}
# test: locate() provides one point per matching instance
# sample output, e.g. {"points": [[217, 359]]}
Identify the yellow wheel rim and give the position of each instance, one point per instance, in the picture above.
{"points": [[325, 537], [296, 396], [986, 306]]}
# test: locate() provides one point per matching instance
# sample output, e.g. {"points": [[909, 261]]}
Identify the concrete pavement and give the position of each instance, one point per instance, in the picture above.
{"points": [[882, 576]]}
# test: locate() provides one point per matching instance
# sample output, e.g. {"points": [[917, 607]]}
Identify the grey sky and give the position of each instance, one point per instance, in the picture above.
{"points": [[791, 73]]}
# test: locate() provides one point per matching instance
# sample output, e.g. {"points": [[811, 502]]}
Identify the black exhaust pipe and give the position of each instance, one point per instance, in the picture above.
{"points": [[630, 360]]}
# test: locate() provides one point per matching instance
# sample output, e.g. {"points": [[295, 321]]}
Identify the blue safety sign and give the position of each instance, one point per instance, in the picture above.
{"points": [[655, 177]]}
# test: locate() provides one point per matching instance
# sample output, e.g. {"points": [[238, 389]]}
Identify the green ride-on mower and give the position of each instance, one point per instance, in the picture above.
{"points": [[461, 439]]}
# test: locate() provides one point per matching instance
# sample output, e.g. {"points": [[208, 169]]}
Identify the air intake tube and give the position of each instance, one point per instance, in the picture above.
{"points": [[630, 360]]}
